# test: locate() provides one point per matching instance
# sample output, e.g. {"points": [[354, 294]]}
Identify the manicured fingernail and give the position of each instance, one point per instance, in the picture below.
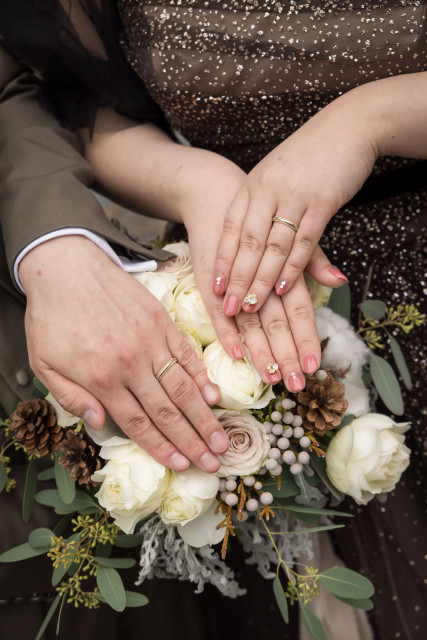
{"points": [[178, 461], [231, 306], [337, 274], [210, 393], [281, 287], [310, 364], [295, 382], [273, 372], [219, 285], [209, 462], [237, 351], [219, 442], [248, 308], [91, 417]]}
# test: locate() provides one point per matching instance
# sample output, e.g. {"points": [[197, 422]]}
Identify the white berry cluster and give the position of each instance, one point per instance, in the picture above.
{"points": [[228, 489], [282, 427]]}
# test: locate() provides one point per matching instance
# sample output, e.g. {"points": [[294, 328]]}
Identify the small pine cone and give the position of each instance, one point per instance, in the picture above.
{"points": [[80, 456], [322, 404], [34, 425]]}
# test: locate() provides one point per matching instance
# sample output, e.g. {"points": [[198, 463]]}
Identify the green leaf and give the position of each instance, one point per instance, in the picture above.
{"points": [[367, 284], [58, 574], [400, 362], [360, 603], [319, 465], [345, 583], [340, 301], [52, 609], [373, 309], [124, 541], [51, 498], [386, 384], [346, 420], [29, 491], [117, 563], [46, 474], [311, 622], [40, 386], [41, 538], [3, 476], [62, 524], [281, 600], [326, 527], [135, 599], [66, 486], [111, 587], [299, 508], [21, 552]]}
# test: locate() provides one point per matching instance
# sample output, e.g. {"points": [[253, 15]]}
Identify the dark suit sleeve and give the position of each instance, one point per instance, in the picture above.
{"points": [[44, 180]]}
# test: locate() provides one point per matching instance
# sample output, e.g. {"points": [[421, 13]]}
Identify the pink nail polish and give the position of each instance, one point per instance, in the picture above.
{"points": [[337, 274], [248, 308], [237, 351], [218, 285], [231, 306], [281, 287], [295, 382], [275, 378], [309, 364]]}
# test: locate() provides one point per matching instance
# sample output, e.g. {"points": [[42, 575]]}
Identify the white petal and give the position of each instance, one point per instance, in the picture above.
{"points": [[203, 530]]}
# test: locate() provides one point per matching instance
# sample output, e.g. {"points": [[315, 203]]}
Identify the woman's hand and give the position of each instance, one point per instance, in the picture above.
{"points": [[303, 182], [97, 339]]}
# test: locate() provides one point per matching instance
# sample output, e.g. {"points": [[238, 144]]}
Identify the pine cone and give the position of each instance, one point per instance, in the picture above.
{"points": [[34, 425], [80, 456], [322, 404]]}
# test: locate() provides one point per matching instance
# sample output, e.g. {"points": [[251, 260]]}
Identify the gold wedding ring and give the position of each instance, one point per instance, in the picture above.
{"points": [[165, 368], [287, 222]]}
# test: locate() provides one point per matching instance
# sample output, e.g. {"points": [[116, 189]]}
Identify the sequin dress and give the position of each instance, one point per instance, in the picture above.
{"points": [[237, 78]]}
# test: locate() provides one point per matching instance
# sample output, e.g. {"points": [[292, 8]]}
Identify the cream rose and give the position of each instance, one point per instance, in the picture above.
{"points": [[249, 443], [133, 483], [189, 494], [180, 266], [161, 287], [63, 417], [191, 313], [367, 456], [239, 383], [319, 294]]}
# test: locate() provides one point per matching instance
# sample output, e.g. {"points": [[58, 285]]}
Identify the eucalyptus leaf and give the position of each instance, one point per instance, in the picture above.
{"points": [[319, 511], [57, 574], [41, 538], [21, 552], [311, 622], [46, 474], [52, 609], [400, 361], [360, 603], [52, 498], [29, 490], [124, 541], [111, 587], [117, 563], [3, 476], [281, 599], [346, 420], [386, 384], [373, 309], [135, 599], [319, 465], [40, 386], [326, 527], [345, 583], [103, 550], [66, 486], [340, 301], [367, 284]]}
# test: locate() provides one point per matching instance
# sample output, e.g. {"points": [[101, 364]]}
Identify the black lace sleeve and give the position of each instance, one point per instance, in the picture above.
{"points": [[74, 46]]}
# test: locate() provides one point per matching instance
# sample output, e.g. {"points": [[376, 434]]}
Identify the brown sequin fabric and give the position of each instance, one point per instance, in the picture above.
{"points": [[237, 77]]}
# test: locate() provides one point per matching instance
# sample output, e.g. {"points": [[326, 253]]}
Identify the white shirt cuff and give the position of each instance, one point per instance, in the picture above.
{"points": [[125, 263]]}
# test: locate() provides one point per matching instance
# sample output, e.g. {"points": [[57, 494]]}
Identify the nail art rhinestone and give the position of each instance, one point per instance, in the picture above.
{"points": [[251, 298], [272, 367]]}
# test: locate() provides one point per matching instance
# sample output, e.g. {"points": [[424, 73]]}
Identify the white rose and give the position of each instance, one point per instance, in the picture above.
{"points": [[189, 494], [203, 530], [63, 418], [345, 349], [180, 266], [239, 383], [161, 287], [319, 294], [367, 456], [133, 483], [190, 311], [249, 443]]}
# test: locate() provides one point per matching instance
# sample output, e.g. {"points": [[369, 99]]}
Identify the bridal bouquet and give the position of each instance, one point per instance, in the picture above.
{"points": [[292, 457]]}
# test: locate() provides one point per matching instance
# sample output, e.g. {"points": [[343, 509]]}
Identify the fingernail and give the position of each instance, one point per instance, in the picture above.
{"points": [[219, 442], [91, 417], [281, 288], [210, 393], [337, 274], [276, 377], [295, 382], [178, 461], [231, 306], [273, 372], [237, 351], [309, 364], [219, 285], [248, 308], [209, 462]]}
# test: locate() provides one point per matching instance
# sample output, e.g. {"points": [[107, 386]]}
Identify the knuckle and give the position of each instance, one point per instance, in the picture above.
{"points": [[306, 243], [277, 250], [183, 391], [302, 313], [139, 427], [67, 400], [277, 326], [100, 380], [250, 323], [186, 355], [230, 227], [167, 417], [251, 243], [206, 423]]}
